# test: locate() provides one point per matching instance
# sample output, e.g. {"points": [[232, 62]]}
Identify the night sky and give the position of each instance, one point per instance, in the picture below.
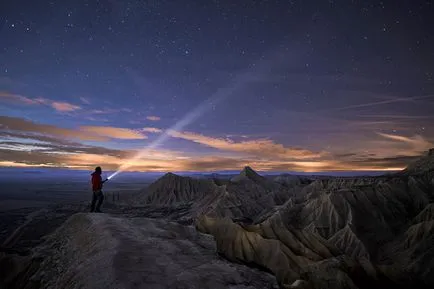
{"points": [[277, 85]]}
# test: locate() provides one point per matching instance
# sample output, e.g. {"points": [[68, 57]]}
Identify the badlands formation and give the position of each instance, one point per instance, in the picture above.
{"points": [[248, 231]]}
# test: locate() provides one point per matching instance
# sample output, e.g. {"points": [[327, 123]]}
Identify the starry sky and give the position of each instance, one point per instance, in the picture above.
{"points": [[278, 85]]}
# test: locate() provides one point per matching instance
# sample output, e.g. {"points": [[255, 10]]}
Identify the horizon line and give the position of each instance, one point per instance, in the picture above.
{"points": [[359, 171]]}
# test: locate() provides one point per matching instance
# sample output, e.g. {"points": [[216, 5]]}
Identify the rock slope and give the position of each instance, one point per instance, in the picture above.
{"points": [[247, 196], [98, 251], [379, 227], [366, 231]]}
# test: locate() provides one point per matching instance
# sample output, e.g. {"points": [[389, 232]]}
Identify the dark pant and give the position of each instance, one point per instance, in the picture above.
{"points": [[97, 198]]}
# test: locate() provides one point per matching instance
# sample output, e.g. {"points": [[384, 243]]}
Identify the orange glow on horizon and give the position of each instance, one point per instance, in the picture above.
{"points": [[112, 163]]}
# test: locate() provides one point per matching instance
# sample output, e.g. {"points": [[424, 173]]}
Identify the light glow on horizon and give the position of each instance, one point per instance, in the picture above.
{"points": [[186, 170]]}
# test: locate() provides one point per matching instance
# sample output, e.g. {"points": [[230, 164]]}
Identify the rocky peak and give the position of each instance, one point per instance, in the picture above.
{"points": [[248, 171], [248, 174], [170, 176]]}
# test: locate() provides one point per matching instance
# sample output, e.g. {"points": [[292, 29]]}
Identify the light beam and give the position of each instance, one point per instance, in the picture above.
{"points": [[221, 94]]}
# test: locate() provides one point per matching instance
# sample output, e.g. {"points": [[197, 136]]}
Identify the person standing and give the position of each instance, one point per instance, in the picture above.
{"points": [[98, 196]]}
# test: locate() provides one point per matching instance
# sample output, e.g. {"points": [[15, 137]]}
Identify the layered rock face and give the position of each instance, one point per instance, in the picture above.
{"points": [[329, 232], [247, 196], [172, 189]]}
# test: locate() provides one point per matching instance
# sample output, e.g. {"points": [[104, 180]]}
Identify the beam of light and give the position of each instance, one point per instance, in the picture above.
{"points": [[221, 94]]}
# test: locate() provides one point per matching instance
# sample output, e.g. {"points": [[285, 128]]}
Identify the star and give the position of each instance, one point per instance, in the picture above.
{"points": [[320, 77]]}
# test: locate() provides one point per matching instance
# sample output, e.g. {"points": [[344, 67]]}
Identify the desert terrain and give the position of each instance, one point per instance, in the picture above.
{"points": [[245, 230]]}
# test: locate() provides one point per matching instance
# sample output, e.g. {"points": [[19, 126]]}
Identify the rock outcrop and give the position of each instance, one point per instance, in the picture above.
{"points": [[299, 228], [247, 196], [172, 189], [382, 224], [97, 251], [248, 174]]}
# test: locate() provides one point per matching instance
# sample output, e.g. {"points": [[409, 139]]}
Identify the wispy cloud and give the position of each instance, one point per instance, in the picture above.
{"points": [[153, 118], [98, 119], [114, 132], [259, 148], [16, 98], [60, 147], [109, 110], [103, 111], [152, 130], [94, 133], [59, 106], [64, 106], [19, 124], [418, 143]]}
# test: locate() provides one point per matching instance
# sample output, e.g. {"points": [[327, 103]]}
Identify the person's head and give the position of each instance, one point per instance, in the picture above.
{"points": [[98, 170]]}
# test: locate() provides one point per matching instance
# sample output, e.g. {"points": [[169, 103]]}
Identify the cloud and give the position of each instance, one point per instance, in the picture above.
{"points": [[64, 106], [415, 140], [16, 98], [381, 150], [26, 143], [93, 133], [417, 143], [20, 165], [59, 106], [88, 160], [391, 162], [109, 110], [99, 119], [152, 129], [113, 132], [259, 148], [153, 118], [19, 124], [81, 156], [103, 111], [47, 149], [35, 137]]}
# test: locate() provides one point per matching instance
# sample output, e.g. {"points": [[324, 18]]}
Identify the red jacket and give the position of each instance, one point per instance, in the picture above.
{"points": [[96, 181]]}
